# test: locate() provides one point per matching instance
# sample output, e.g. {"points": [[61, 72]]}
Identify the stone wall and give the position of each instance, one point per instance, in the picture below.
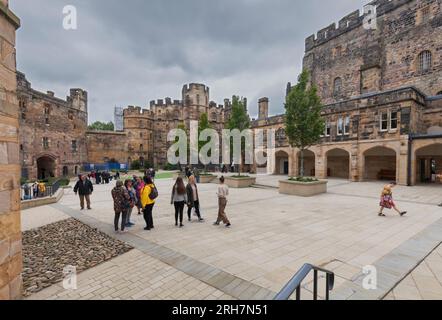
{"points": [[370, 61], [104, 146], [52, 131], [10, 228]]}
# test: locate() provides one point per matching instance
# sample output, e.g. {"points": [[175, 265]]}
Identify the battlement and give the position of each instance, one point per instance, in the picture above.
{"points": [[167, 102], [350, 22], [195, 87], [132, 111]]}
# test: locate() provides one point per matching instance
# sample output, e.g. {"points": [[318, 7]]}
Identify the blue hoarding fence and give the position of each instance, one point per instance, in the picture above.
{"points": [[105, 167]]}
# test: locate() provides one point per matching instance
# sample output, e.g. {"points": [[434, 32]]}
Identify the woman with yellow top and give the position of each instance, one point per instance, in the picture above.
{"points": [[387, 200], [148, 202]]}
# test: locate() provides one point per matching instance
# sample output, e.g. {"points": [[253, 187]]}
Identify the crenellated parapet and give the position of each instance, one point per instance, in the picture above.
{"points": [[132, 111], [350, 22]]}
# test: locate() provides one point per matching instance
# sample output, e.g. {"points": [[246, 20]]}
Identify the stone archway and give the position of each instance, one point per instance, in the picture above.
{"points": [[380, 163], [282, 163], [46, 167], [428, 166], [338, 163], [65, 171], [309, 163]]}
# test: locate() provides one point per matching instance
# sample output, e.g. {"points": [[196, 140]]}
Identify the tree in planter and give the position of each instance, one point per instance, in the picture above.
{"points": [[304, 124], [203, 124], [182, 126], [239, 119]]}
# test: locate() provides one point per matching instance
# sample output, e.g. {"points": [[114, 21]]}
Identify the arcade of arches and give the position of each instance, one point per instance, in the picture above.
{"points": [[364, 162]]}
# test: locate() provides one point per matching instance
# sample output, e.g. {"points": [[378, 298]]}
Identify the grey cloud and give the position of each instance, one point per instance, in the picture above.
{"points": [[135, 51]]}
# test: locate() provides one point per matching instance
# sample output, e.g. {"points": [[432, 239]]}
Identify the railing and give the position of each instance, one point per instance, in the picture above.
{"points": [[296, 282], [29, 192]]}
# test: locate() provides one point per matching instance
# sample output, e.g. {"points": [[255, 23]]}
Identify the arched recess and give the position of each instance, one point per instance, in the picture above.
{"points": [[46, 166], [338, 163], [282, 163], [429, 164], [380, 163]]}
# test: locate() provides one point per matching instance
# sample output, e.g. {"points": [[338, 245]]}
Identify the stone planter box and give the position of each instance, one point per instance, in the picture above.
{"points": [[245, 182], [207, 178], [303, 189]]}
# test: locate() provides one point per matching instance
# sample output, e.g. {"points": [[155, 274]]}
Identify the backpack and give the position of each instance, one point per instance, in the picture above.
{"points": [[153, 193]]}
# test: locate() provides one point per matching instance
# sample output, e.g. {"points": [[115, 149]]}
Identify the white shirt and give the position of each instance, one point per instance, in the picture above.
{"points": [[223, 191]]}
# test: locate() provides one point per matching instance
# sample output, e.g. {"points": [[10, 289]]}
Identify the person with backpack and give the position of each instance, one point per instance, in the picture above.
{"points": [[138, 186], [148, 197], [179, 200], [193, 200], [133, 200], [121, 200]]}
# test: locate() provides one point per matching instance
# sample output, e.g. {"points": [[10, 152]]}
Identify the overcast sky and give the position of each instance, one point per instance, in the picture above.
{"points": [[130, 52]]}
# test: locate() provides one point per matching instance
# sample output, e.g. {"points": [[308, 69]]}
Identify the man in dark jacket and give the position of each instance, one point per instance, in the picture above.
{"points": [[84, 188]]}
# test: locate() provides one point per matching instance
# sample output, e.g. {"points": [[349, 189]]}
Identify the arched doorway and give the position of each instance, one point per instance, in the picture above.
{"points": [[46, 167], [281, 163], [338, 164], [65, 171], [429, 164], [309, 163], [380, 164]]}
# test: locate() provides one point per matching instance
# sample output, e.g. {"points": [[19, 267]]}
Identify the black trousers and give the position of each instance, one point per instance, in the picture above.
{"points": [[179, 211], [148, 216], [196, 205], [123, 220]]}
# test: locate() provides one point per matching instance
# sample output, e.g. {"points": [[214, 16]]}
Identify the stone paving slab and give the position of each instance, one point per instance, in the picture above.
{"points": [[187, 265], [274, 235]]}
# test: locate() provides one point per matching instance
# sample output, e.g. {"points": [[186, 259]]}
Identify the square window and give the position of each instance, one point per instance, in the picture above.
{"points": [[347, 125], [340, 126], [384, 121], [393, 121]]}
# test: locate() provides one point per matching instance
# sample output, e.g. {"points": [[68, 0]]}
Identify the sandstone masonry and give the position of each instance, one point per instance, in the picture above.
{"points": [[10, 229]]}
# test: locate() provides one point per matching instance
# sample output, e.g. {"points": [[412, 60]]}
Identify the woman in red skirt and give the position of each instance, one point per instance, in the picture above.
{"points": [[387, 200]]}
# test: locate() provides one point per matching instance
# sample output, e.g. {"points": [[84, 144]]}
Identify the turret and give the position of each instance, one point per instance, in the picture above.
{"points": [[78, 99], [263, 106]]}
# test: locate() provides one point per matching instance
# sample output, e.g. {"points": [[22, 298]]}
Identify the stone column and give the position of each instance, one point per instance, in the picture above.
{"points": [[10, 228]]}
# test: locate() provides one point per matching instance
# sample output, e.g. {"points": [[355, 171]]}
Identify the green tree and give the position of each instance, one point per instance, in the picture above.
{"points": [[203, 124], [182, 126], [304, 124], [239, 119], [101, 126]]}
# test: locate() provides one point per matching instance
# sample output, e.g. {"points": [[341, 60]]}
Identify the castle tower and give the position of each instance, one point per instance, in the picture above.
{"points": [[78, 99], [263, 106], [196, 98]]}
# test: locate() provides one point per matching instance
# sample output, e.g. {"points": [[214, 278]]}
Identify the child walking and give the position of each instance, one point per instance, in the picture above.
{"points": [[387, 200]]}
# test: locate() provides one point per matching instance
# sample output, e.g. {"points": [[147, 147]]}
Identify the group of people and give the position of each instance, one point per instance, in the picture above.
{"points": [[142, 194], [33, 191], [104, 177]]}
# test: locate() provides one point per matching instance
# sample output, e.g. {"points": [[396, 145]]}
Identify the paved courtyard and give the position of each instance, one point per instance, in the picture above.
{"points": [[272, 236]]}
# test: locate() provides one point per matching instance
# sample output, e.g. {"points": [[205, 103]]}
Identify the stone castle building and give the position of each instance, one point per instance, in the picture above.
{"points": [[10, 226], [147, 129], [382, 90], [52, 132]]}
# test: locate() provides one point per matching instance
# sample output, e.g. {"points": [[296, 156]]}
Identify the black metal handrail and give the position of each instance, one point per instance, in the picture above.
{"points": [[295, 283], [30, 193]]}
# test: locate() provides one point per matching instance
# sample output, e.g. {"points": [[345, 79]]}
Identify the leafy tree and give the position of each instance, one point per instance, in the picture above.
{"points": [[203, 124], [101, 126], [304, 124], [239, 119]]}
